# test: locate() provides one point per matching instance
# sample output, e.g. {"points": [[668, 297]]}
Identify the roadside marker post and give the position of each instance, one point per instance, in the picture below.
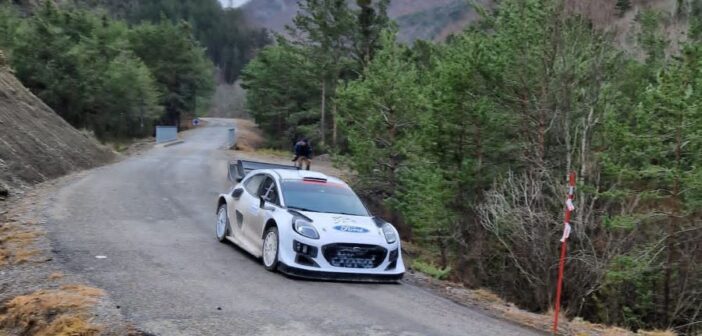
{"points": [[566, 233]]}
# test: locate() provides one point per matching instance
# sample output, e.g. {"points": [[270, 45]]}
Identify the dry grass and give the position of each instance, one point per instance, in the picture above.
{"points": [[493, 303], [249, 137], [17, 242], [274, 153], [25, 255], [70, 325], [61, 312], [488, 296], [657, 333], [56, 276]]}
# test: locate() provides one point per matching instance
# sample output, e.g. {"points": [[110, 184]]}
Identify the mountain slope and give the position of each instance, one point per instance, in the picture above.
{"points": [[417, 19], [36, 144], [437, 19], [431, 22]]}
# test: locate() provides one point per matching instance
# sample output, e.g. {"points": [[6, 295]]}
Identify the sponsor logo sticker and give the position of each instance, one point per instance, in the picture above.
{"points": [[350, 229]]}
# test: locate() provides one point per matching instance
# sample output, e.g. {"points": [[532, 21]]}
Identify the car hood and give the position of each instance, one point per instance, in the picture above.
{"points": [[346, 228]]}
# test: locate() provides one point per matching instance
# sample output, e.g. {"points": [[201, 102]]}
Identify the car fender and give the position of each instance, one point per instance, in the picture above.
{"points": [[227, 197], [283, 220], [222, 199]]}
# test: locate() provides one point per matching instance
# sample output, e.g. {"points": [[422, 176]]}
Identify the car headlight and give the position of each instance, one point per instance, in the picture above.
{"points": [[389, 232], [305, 228]]}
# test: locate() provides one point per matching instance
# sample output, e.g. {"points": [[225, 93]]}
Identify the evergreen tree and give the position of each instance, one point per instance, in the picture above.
{"points": [[653, 154], [381, 116], [372, 20], [228, 39], [336, 34], [281, 93], [100, 74], [179, 66]]}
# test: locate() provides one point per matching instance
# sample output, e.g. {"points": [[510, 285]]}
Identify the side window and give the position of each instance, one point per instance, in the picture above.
{"points": [[253, 184], [269, 191]]}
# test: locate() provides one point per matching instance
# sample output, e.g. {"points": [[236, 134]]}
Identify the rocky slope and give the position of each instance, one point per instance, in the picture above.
{"points": [[36, 144]]}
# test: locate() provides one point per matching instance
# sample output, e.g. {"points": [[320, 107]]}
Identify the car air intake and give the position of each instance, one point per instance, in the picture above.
{"points": [[392, 258], [354, 255]]}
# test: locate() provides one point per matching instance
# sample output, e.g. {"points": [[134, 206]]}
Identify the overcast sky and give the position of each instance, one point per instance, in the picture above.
{"points": [[236, 3]]}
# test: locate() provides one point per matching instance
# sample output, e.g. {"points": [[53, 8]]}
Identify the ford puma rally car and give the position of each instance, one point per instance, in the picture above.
{"points": [[307, 224]]}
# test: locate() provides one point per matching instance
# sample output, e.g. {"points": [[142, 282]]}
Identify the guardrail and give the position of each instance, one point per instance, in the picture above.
{"points": [[231, 139], [166, 134]]}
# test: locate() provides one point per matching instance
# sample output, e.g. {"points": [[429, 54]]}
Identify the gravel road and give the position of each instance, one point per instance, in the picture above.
{"points": [[150, 219]]}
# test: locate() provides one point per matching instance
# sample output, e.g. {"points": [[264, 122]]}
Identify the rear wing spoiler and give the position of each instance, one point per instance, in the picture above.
{"points": [[240, 168]]}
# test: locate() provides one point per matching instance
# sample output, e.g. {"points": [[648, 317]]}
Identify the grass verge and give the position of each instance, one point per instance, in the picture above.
{"points": [[496, 306], [56, 312], [17, 242]]}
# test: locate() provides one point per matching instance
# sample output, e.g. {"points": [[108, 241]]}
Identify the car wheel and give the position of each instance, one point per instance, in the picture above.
{"points": [[222, 228], [270, 249]]}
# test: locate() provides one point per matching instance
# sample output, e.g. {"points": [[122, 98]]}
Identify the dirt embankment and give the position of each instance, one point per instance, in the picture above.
{"points": [[36, 297], [36, 144]]}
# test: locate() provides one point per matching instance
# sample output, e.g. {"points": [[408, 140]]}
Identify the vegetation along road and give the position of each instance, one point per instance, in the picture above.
{"points": [[152, 216]]}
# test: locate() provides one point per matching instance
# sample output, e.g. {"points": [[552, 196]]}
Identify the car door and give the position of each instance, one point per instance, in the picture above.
{"points": [[269, 191], [246, 210]]}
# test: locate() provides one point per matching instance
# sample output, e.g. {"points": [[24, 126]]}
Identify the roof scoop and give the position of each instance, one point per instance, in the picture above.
{"points": [[314, 179]]}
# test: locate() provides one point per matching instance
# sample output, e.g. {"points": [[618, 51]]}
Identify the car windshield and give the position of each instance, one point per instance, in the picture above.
{"points": [[322, 197]]}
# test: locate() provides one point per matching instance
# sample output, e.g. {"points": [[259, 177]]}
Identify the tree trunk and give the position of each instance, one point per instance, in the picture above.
{"points": [[334, 126], [322, 122], [673, 224]]}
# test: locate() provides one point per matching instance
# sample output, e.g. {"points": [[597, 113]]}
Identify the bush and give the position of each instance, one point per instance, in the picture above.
{"points": [[622, 7], [431, 269]]}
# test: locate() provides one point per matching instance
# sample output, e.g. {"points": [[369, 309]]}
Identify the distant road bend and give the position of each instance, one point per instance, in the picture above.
{"points": [[153, 217]]}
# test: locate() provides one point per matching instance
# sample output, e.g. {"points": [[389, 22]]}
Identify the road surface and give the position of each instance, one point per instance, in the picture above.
{"points": [[153, 217]]}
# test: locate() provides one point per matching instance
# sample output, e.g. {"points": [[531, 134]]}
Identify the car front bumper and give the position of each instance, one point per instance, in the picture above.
{"points": [[323, 269], [338, 276]]}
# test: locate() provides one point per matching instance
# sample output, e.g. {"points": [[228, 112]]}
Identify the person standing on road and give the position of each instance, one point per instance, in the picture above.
{"points": [[303, 154]]}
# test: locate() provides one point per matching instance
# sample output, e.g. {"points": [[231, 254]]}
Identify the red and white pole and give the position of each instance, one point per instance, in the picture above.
{"points": [[564, 239]]}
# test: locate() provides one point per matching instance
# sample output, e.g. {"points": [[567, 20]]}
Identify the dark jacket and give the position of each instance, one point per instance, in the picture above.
{"points": [[303, 149]]}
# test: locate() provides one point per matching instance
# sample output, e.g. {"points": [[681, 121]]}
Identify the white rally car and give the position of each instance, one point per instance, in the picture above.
{"points": [[306, 224]]}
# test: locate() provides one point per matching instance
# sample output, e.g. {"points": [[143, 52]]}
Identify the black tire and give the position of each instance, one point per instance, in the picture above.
{"points": [[274, 264], [227, 229]]}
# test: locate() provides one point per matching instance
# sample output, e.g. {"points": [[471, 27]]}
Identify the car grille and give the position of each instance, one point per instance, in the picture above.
{"points": [[354, 255]]}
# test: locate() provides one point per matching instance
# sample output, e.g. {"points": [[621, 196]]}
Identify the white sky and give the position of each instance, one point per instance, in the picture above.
{"points": [[237, 3]]}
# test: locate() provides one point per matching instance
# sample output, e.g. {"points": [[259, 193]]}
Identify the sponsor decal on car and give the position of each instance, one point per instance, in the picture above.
{"points": [[350, 229]]}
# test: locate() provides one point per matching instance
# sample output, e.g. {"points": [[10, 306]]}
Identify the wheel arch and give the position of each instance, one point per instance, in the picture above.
{"points": [[221, 201], [270, 223]]}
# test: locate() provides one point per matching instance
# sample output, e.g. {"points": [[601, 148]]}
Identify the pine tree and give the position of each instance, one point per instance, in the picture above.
{"points": [[381, 117], [179, 66], [282, 91], [653, 153]]}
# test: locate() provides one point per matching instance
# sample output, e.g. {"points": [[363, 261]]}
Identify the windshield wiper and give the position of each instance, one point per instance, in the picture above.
{"points": [[302, 209], [346, 213]]}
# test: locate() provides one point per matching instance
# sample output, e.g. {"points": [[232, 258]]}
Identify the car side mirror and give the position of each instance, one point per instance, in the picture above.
{"points": [[262, 204], [237, 192], [238, 179]]}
